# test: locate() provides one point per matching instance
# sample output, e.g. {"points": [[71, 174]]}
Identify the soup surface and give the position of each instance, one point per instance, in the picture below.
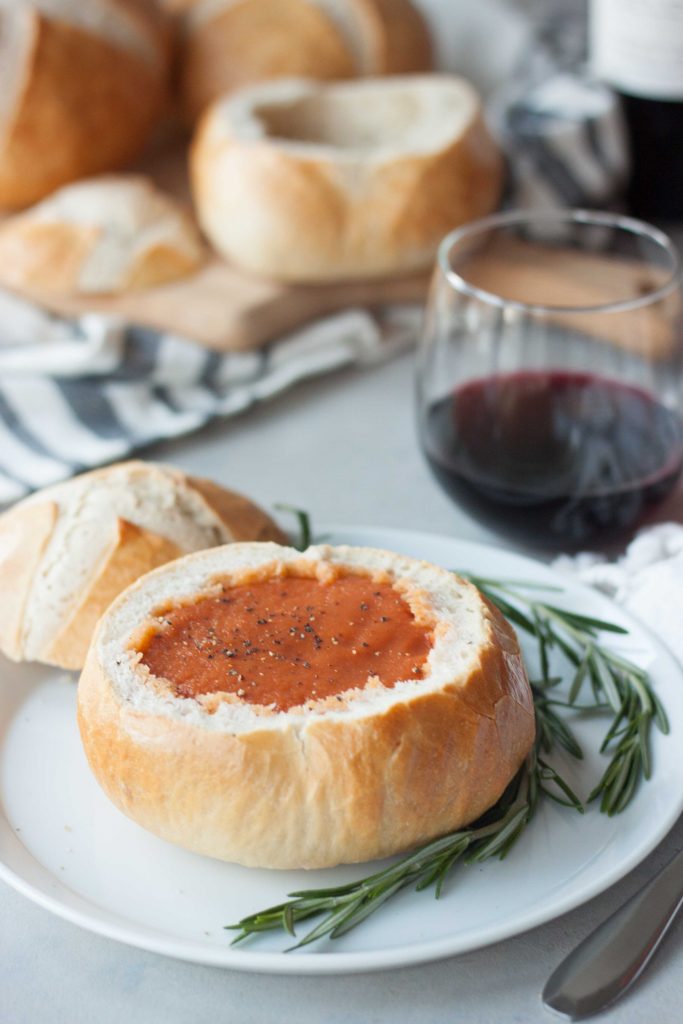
{"points": [[282, 642]]}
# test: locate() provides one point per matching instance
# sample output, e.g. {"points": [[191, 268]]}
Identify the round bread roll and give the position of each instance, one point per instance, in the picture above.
{"points": [[81, 82], [227, 44], [301, 181], [67, 551], [298, 710], [103, 235]]}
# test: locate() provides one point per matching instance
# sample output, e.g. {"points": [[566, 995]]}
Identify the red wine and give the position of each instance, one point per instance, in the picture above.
{"points": [[554, 458]]}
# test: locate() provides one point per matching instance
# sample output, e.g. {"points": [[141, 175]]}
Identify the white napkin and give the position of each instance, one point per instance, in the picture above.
{"points": [[75, 394], [647, 580]]}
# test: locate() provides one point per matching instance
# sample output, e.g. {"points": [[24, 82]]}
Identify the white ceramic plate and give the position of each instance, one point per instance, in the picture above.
{"points": [[65, 846]]}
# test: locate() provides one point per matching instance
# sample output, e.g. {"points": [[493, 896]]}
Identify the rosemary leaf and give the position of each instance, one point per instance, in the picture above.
{"points": [[580, 675], [606, 681], [304, 520], [585, 622], [548, 774], [661, 720], [365, 909]]}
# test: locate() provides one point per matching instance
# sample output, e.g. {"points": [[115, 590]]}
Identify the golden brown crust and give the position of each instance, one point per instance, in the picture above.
{"points": [[158, 264], [252, 40], [106, 234], [45, 256], [24, 535], [400, 40], [133, 552], [344, 789], [85, 106], [244, 519]]}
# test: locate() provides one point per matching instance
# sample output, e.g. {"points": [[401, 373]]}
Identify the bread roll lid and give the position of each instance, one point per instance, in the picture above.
{"points": [[156, 498], [112, 222], [368, 120]]}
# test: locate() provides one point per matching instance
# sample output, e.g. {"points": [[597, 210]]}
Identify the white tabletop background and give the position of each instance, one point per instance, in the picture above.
{"points": [[344, 448]]}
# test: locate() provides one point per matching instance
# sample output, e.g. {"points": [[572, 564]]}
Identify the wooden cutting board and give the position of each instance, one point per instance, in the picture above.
{"points": [[227, 310], [220, 306]]}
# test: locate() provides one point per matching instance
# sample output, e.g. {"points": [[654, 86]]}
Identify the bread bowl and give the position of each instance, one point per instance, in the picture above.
{"points": [[80, 86], [229, 704], [68, 550], [108, 234], [305, 181], [226, 44]]}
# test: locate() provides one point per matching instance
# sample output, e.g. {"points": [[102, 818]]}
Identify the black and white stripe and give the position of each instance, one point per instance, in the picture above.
{"points": [[565, 143], [74, 395]]}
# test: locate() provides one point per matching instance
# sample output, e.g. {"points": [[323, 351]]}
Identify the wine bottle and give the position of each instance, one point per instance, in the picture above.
{"points": [[637, 48]]}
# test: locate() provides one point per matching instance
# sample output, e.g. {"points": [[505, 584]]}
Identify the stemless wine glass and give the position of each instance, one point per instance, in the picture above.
{"points": [[549, 374]]}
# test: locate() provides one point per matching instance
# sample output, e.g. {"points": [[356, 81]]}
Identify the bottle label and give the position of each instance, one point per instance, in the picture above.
{"points": [[637, 46]]}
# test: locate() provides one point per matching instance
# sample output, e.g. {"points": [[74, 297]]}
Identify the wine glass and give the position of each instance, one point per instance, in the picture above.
{"points": [[549, 374]]}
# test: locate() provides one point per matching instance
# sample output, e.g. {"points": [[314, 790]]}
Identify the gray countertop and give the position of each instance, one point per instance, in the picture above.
{"points": [[344, 448]]}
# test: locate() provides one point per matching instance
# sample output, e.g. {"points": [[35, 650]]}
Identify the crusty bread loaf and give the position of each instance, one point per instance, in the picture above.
{"points": [[302, 181], [227, 44], [81, 82], [67, 551], [363, 774], [104, 235]]}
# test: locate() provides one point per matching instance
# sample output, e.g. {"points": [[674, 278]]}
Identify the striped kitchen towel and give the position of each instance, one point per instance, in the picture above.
{"points": [[75, 394], [565, 144], [562, 131]]}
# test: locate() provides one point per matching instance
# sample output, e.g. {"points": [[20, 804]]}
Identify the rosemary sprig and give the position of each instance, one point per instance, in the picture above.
{"points": [[344, 907], [304, 521], [617, 685]]}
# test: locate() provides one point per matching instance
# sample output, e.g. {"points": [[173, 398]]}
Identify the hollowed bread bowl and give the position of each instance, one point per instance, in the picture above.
{"points": [[314, 708], [305, 181]]}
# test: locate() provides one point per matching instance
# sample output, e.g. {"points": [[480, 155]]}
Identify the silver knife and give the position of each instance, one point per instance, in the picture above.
{"points": [[607, 963]]}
